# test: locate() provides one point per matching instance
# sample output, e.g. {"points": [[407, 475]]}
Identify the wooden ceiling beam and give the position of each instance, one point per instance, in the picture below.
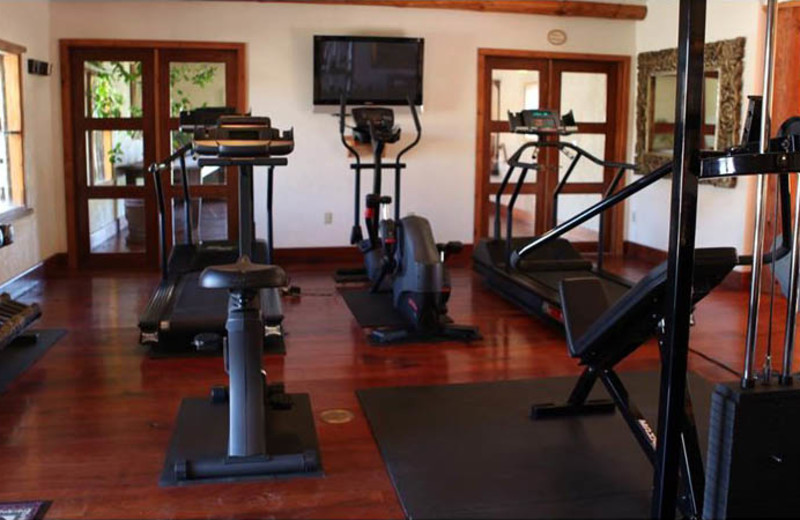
{"points": [[541, 7]]}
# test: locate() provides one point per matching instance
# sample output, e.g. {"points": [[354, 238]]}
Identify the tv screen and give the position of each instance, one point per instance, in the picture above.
{"points": [[367, 70]]}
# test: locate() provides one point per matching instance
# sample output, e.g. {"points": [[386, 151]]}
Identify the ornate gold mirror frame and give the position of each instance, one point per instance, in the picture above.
{"points": [[727, 58]]}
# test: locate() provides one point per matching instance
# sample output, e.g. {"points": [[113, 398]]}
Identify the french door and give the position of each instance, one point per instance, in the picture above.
{"points": [[596, 90], [122, 101]]}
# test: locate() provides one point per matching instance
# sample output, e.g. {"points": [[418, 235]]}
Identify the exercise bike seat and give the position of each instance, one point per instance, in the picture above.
{"points": [[243, 275]]}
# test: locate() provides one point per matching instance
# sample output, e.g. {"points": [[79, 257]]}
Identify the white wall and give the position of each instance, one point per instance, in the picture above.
{"points": [[724, 217], [440, 181], [42, 234]]}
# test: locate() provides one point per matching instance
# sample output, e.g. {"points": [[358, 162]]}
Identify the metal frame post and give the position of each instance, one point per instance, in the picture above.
{"points": [[270, 219], [680, 264], [748, 376], [246, 224]]}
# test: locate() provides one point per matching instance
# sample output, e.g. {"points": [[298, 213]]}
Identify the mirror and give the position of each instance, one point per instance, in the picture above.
{"points": [[655, 103]]}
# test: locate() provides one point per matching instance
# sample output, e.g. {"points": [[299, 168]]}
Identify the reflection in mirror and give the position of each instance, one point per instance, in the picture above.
{"points": [[655, 103], [661, 114]]}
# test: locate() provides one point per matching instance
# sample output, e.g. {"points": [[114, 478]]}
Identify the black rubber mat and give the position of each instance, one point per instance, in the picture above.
{"points": [[471, 451], [350, 278], [372, 310], [21, 354], [201, 433]]}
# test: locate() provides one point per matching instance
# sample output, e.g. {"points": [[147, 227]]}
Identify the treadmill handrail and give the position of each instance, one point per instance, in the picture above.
{"points": [[577, 149], [177, 154], [155, 170], [591, 212], [639, 185]]}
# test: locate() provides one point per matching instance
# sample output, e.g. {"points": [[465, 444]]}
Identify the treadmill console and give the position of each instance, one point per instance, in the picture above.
{"points": [[542, 122], [232, 135], [375, 123]]}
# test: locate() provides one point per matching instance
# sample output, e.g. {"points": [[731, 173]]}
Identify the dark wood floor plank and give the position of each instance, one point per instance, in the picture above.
{"points": [[88, 425]]}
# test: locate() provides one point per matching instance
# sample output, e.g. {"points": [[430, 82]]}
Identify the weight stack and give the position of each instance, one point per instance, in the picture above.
{"points": [[753, 462]]}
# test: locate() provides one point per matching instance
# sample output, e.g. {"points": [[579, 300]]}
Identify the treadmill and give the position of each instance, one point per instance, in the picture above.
{"points": [[534, 283], [182, 318]]}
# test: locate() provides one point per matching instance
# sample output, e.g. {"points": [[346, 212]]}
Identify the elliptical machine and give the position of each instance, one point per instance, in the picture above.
{"points": [[399, 253]]}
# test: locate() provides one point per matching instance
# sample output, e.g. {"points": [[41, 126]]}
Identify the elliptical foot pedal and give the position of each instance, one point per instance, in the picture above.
{"points": [[554, 411], [461, 332], [385, 336], [291, 441]]}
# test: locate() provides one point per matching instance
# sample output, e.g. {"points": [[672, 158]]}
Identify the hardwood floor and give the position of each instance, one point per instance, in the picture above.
{"points": [[88, 425]]}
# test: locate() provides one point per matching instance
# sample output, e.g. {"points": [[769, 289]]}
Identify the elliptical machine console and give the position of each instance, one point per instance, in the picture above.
{"points": [[377, 122], [400, 254]]}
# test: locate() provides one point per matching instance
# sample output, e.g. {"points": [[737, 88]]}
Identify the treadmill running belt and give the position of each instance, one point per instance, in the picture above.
{"points": [[195, 308]]}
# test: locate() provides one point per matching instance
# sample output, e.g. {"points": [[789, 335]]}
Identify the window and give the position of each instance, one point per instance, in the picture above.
{"points": [[12, 178]]}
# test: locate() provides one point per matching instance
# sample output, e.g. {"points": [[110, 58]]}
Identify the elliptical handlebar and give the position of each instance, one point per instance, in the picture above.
{"points": [[417, 127], [343, 127]]}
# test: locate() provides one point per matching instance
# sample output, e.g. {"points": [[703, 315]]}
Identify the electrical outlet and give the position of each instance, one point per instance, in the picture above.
{"points": [[328, 218]]}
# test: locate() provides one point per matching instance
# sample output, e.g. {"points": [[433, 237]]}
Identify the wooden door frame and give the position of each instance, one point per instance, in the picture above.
{"points": [[230, 190], [66, 47], [623, 77]]}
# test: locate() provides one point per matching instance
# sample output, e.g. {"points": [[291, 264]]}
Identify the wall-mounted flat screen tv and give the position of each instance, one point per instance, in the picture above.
{"points": [[367, 70]]}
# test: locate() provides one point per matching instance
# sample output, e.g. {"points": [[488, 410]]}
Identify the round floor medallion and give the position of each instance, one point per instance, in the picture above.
{"points": [[337, 416]]}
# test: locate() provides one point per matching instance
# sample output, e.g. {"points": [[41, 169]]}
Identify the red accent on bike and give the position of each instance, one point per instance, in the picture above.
{"points": [[391, 240], [553, 312], [369, 213]]}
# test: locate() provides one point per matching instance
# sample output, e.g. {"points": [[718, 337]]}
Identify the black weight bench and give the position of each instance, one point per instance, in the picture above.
{"points": [[602, 332]]}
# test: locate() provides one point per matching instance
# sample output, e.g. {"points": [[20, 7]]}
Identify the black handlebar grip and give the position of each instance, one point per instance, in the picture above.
{"points": [[342, 109], [414, 114]]}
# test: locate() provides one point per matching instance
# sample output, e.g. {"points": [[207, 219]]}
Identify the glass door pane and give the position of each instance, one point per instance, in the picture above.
{"points": [[514, 90], [113, 115], [585, 170], [196, 85], [117, 226], [524, 215], [113, 89], [586, 94], [115, 158], [198, 79], [570, 205]]}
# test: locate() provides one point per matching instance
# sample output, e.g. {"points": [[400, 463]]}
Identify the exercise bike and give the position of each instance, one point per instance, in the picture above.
{"points": [[400, 254], [249, 429]]}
